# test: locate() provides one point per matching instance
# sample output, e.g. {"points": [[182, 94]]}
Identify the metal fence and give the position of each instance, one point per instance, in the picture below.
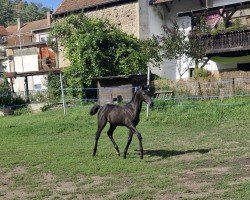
{"points": [[163, 95]]}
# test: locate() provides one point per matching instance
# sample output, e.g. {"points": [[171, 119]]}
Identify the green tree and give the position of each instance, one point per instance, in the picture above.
{"points": [[186, 49], [11, 9], [96, 48], [5, 94], [6, 12]]}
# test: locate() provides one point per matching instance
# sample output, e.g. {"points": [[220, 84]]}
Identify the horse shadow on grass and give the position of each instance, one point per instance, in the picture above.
{"points": [[162, 153]]}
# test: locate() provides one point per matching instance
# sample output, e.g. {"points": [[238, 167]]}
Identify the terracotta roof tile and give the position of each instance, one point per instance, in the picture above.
{"points": [[70, 5], [29, 26], [3, 31]]}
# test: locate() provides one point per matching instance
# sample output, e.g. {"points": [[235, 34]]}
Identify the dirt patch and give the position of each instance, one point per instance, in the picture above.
{"points": [[244, 161], [15, 194], [193, 195], [194, 186], [66, 187], [240, 181], [97, 180], [214, 170], [48, 177]]}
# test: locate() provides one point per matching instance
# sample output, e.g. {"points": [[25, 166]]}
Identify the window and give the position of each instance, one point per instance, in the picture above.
{"points": [[37, 87], [43, 39]]}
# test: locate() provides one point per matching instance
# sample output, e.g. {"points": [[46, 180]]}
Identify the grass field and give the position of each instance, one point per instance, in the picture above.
{"points": [[193, 150]]}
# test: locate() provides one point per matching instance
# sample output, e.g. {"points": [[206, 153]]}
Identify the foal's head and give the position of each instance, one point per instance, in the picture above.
{"points": [[143, 94]]}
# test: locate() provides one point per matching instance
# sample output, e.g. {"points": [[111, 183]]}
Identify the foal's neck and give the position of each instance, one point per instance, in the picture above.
{"points": [[136, 104]]}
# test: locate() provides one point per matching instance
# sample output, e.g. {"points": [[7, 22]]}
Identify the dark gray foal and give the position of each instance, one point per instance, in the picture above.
{"points": [[128, 115]]}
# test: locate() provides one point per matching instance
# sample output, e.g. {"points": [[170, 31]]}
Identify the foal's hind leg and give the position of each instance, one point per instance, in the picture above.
{"points": [[101, 124], [130, 136], [110, 134]]}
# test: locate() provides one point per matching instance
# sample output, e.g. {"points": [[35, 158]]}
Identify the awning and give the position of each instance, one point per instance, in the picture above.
{"points": [[228, 60]]}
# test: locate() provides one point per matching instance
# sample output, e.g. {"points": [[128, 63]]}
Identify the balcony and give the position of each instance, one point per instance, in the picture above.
{"points": [[2, 54], [223, 42], [46, 64]]}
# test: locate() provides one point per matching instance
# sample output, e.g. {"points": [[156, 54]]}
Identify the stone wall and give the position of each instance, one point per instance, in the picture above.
{"points": [[123, 16]]}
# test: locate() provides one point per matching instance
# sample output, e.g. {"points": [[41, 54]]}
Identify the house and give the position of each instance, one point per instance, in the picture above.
{"points": [[145, 18], [3, 58], [29, 57]]}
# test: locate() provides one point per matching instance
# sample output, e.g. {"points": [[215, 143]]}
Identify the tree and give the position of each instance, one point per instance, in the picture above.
{"points": [[5, 93], [6, 12], [186, 49], [11, 9], [96, 48]]}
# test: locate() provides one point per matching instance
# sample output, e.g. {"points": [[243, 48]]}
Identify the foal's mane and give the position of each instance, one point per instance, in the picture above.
{"points": [[133, 96]]}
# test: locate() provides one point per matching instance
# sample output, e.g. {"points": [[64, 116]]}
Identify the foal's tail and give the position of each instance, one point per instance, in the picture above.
{"points": [[94, 109]]}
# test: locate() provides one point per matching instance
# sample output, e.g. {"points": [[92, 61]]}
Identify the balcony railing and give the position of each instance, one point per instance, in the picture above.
{"points": [[2, 53], [45, 64], [226, 41]]}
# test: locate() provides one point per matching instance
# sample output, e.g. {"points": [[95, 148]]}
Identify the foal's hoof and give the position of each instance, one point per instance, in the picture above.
{"points": [[124, 156], [141, 157]]}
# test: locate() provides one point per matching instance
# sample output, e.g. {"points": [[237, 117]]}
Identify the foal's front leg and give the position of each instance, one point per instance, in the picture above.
{"points": [[134, 131], [130, 136]]}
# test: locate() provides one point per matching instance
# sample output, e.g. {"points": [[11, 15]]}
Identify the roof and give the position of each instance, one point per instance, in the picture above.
{"points": [[119, 76], [159, 1], [73, 5], [3, 31], [32, 44], [29, 26]]}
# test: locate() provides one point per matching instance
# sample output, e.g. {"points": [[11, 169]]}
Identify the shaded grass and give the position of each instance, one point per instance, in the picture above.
{"points": [[181, 137]]}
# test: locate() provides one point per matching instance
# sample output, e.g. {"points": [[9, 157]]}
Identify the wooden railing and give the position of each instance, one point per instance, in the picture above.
{"points": [[45, 64], [2, 53], [226, 41]]}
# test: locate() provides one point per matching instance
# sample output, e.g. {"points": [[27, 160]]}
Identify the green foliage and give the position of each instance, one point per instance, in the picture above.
{"points": [[5, 94], [97, 48], [174, 43], [178, 45], [29, 11], [54, 87], [201, 72]]}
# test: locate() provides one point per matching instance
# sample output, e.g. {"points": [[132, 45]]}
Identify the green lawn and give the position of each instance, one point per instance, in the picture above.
{"points": [[193, 150]]}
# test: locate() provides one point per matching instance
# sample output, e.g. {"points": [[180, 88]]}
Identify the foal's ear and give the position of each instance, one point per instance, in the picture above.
{"points": [[144, 87]]}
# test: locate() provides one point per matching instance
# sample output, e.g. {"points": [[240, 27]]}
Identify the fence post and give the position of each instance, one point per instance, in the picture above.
{"points": [[62, 91], [233, 85], [148, 85]]}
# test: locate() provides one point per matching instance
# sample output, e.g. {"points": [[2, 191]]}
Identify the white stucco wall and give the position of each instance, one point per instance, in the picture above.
{"points": [[159, 16], [25, 63]]}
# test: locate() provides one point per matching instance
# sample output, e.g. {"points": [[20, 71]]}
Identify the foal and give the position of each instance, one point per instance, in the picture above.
{"points": [[128, 115]]}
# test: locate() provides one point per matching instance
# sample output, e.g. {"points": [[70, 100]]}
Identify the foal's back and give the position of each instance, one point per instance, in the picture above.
{"points": [[114, 114]]}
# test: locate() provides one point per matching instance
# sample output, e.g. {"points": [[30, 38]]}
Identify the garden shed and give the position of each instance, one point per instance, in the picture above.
{"points": [[114, 89]]}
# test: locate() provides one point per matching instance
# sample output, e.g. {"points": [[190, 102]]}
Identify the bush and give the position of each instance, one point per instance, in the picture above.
{"points": [[5, 94], [201, 73]]}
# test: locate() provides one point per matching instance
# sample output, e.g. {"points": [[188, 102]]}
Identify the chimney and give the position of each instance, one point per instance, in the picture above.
{"points": [[48, 18], [19, 23]]}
